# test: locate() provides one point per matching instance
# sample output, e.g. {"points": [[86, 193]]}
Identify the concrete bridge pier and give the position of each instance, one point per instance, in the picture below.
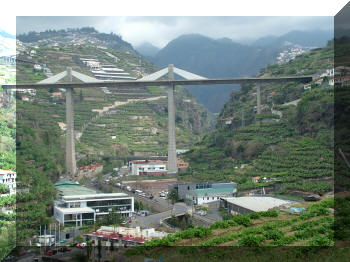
{"points": [[70, 145], [172, 165], [258, 99]]}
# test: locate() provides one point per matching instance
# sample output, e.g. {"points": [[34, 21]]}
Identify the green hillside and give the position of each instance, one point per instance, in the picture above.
{"points": [[7, 162], [41, 142], [290, 145]]}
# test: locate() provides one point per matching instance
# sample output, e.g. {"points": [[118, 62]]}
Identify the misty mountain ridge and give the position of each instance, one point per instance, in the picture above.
{"points": [[223, 57], [147, 49], [314, 38]]}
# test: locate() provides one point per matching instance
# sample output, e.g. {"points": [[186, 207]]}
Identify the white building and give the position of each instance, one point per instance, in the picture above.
{"points": [[138, 166], [242, 205], [204, 192], [8, 178], [79, 205], [37, 67]]}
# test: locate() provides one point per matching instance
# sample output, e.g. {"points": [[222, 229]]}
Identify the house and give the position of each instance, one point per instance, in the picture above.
{"points": [[8, 178], [78, 205], [307, 87], [181, 165], [37, 67], [62, 126], [256, 179], [206, 192], [57, 95]]}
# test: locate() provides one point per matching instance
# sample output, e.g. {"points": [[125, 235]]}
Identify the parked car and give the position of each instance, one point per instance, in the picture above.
{"points": [[81, 245], [64, 249], [51, 252]]}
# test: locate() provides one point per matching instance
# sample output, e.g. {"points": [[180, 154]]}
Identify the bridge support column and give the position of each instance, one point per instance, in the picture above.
{"points": [[172, 165], [258, 99], [70, 145]]}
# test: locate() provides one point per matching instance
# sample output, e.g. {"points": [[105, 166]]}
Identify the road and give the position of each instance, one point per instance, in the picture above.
{"points": [[154, 220]]}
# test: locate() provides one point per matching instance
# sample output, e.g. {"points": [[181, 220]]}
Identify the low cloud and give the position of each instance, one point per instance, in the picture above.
{"points": [[160, 30]]}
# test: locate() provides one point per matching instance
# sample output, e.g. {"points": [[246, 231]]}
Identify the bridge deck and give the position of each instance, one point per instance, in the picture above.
{"points": [[117, 84]]}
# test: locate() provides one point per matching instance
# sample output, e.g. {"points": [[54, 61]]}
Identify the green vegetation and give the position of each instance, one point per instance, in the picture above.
{"points": [[314, 227], [291, 146], [7, 162]]}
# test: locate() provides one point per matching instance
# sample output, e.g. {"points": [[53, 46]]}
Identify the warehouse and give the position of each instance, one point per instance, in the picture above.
{"points": [[243, 205], [202, 193]]}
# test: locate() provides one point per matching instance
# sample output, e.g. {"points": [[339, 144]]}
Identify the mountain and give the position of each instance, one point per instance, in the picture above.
{"points": [[214, 59], [219, 58], [315, 38], [292, 146], [78, 36], [147, 49]]}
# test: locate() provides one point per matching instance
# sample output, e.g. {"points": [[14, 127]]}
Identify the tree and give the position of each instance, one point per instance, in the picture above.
{"points": [[113, 218], [4, 189], [173, 196]]}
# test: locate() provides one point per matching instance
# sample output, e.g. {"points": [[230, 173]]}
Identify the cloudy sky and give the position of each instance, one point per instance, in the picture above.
{"points": [[160, 30]]}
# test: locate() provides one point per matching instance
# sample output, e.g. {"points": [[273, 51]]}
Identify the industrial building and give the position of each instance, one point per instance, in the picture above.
{"points": [[78, 205], [8, 178], [147, 167], [202, 193], [121, 236], [243, 205]]}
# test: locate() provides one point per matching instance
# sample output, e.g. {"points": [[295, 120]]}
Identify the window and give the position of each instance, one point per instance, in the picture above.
{"points": [[207, 198], [212, 198], [188, 188]]}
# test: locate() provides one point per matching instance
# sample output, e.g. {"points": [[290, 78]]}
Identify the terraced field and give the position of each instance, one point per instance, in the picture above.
{"points": [[230, 239]]}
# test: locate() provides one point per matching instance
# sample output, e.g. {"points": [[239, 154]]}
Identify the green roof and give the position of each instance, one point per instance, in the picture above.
{"points": [[213, 190], [71, 188]]}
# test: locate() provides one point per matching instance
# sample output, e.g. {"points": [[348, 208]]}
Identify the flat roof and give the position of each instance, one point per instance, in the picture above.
{"points": [[4, 172], [257, 204], [95, 196], [72, 188]]}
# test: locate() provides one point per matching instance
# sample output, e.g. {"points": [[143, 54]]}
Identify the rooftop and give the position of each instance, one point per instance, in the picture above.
{"points": [[3, 172], [257, 204], [72, 188], [94, 195]]}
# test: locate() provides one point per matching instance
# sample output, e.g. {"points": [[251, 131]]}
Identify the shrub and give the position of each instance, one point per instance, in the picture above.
{"points": [[269, 213], [254, 215], [251, 240], [305, 233], [243, 220], [273, 234], [286, 240], [321, 241]]}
